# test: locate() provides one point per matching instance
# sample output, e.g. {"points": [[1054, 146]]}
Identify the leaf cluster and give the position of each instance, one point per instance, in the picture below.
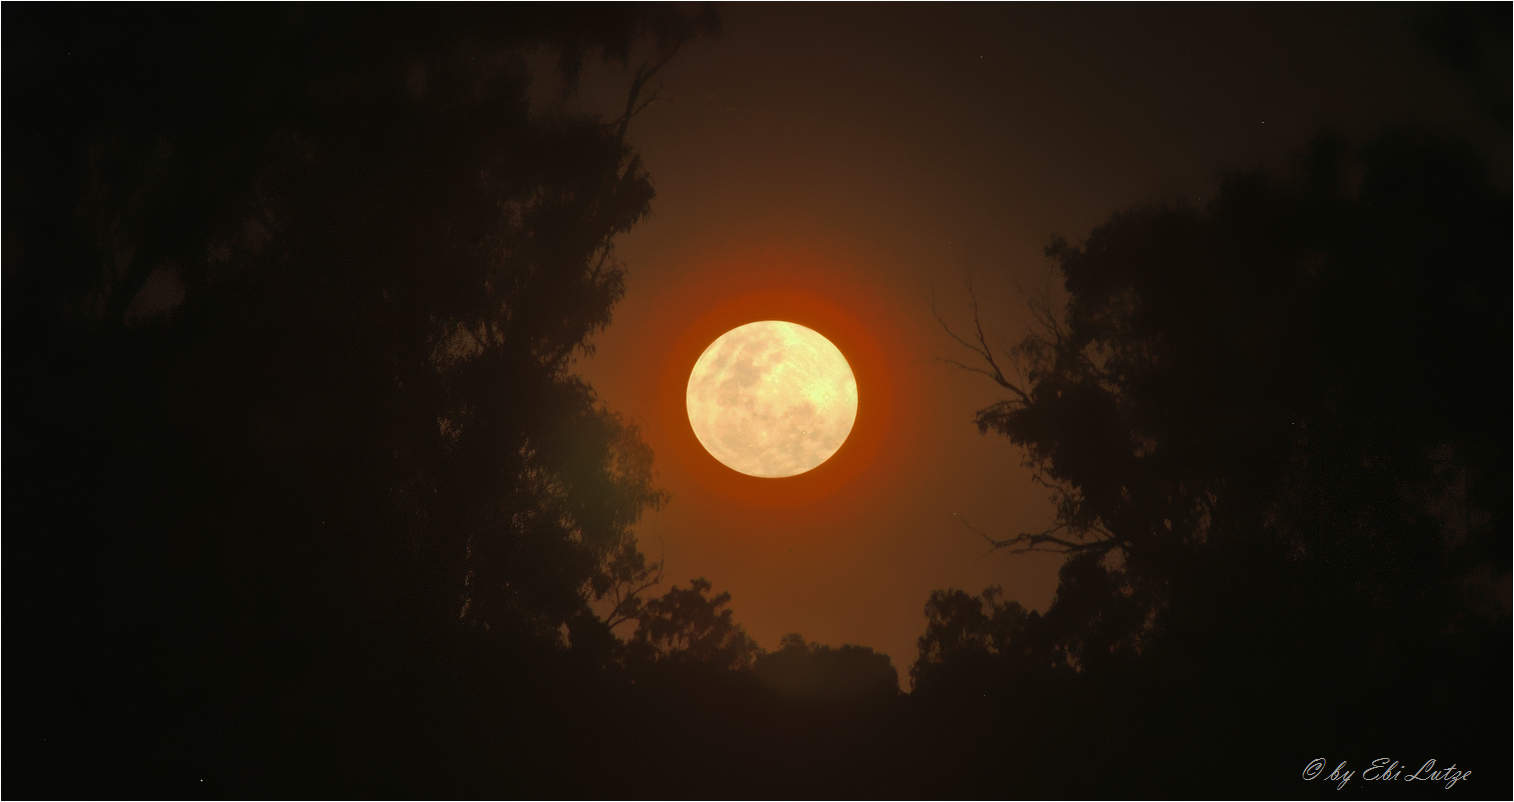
{"points": [[1268, 407]]}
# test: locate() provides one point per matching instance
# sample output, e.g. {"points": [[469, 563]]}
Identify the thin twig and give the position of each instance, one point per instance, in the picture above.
{"points": [[1046, 541], [644, 73], [982, 349]]}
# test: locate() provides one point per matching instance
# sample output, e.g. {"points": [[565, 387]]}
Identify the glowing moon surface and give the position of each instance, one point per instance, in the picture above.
{"points": [[772, 399]]}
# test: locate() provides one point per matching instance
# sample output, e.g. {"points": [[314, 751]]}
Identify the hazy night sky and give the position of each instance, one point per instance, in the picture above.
{"points": [[339, 440], [837, 163]]}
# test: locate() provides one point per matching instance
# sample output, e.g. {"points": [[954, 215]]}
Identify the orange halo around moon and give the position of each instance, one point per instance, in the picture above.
{"points": [[772, 399]]}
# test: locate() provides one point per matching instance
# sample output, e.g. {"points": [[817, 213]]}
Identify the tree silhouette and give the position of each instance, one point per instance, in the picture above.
{"points": [[295, 296], [977, 635], [816, 672], [1230, 375], [1264, 424], [689, 627]]}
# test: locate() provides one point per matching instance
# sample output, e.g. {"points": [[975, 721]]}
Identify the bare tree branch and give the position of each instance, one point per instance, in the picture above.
{"points": [[982, 349], [626, 607], [985, 350], [644, 73], [970, 369], [1047, 541]]}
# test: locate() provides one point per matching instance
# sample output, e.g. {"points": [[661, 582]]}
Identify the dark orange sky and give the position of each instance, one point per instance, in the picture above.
{"points": [[832, 165]]}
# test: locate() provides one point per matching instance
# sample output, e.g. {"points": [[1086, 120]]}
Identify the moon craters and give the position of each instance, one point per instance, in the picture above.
{"points": [[772, 399]]}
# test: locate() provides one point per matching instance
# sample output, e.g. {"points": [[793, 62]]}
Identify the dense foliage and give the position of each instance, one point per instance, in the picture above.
{"points": [[293, 296], [1270, 427]]}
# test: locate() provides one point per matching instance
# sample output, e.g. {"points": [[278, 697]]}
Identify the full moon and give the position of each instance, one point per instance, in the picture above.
{"points": [[772, 399]]}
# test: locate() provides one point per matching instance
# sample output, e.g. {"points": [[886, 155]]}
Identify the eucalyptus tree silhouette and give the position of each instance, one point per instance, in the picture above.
{"points": [[819, 673], [293, 298], [691, 627], [1267, 427]]}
